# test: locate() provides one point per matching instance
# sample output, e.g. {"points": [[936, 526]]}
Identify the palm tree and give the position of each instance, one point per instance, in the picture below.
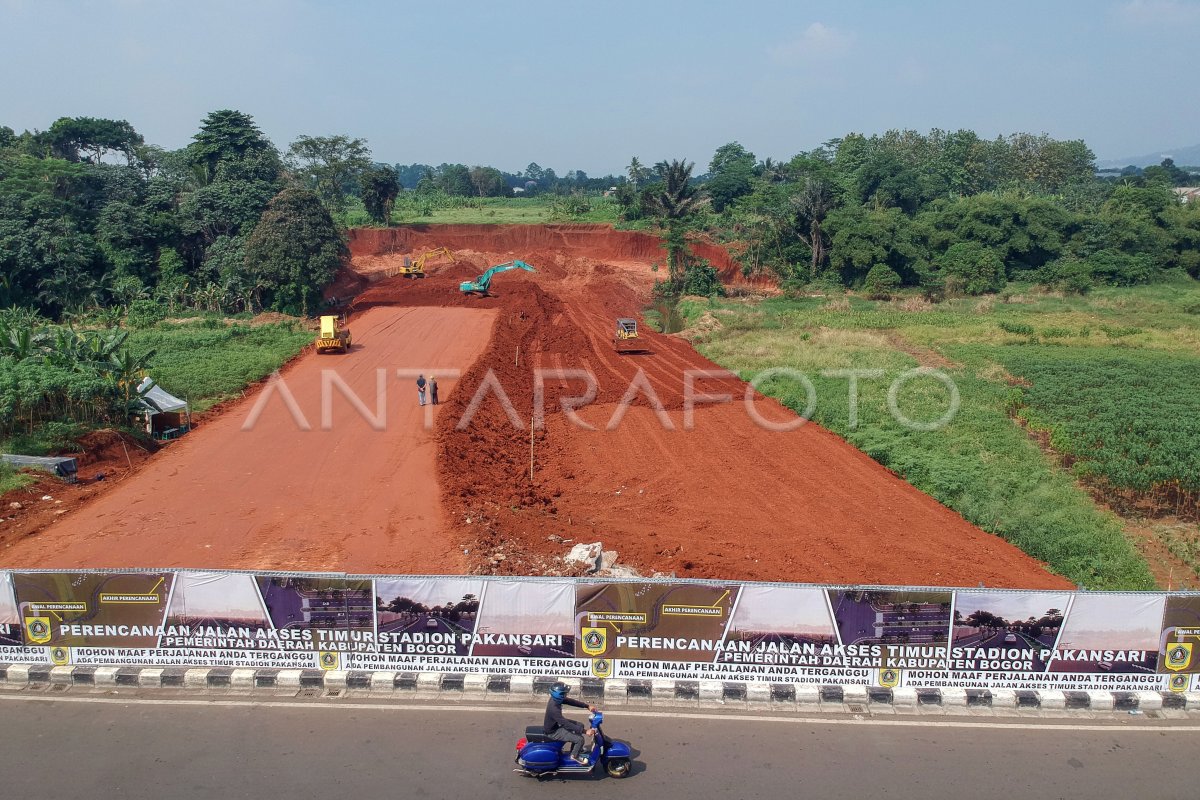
{"points": [[812, 205], [675, 201]]}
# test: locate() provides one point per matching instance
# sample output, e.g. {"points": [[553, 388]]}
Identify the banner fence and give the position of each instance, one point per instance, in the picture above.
{"points": [[672, 629]]}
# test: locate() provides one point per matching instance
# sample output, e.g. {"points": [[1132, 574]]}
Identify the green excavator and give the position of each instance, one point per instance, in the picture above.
{"points": [[481, 284]]}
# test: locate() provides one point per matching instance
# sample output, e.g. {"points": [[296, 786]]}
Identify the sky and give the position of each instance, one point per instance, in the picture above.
{"points": [[589, 86]]}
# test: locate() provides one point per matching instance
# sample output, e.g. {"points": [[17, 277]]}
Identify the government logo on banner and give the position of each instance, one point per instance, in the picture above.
{"points": [[1179, 683], [602, 667], [889, 678], [1179, 656], [595, 641], [38, 629], [60, 656], [328, 659]]}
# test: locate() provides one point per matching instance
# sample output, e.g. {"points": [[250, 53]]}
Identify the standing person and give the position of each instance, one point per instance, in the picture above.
{"points": [[563, 729], [421, 388], [433, 398]]}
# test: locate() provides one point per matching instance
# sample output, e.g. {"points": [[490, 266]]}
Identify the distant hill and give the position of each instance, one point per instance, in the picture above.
{"points": [[1184, 157]]}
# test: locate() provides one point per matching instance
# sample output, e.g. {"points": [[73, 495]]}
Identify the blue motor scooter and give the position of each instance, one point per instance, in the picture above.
{"points": [[539, 756]]}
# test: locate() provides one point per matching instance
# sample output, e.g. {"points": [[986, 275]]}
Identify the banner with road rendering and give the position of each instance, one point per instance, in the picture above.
{"points": [[690, 630]]}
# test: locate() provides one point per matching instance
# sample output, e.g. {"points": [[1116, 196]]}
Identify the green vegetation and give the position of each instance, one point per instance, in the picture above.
{"points": [[208, 361], [1109, 348], [1129, 421], [13, 479]]}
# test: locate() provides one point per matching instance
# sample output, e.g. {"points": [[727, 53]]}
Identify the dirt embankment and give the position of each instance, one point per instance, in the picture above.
{"points": [[598, 242]]}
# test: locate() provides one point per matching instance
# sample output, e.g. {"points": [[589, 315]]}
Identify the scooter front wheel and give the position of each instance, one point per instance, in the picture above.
{"points": [[618, 767]]}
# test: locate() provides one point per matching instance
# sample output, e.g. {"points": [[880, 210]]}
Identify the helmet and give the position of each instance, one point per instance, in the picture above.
{"points": [[559, 690]]}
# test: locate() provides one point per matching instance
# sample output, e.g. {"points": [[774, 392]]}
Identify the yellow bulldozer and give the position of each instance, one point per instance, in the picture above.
{"points": [[334, 336], [626, 339], [415, 268]]}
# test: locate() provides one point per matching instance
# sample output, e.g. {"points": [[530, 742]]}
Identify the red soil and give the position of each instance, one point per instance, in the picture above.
{"points": [[726, 499], [348, 498]]}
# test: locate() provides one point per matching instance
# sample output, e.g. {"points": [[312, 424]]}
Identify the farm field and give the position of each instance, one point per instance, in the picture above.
{"points": [[723, 495], [1058, 421]]}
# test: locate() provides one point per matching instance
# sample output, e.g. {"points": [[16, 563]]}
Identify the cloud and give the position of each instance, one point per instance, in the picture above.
{"points": [[818, 42], [1159, 12]]}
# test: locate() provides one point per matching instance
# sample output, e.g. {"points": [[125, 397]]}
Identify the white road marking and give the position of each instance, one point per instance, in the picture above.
{"points": [[1065, 725]]}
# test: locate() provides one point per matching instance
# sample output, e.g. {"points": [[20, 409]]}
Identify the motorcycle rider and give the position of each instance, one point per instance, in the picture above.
{"points": [[562, 729]]}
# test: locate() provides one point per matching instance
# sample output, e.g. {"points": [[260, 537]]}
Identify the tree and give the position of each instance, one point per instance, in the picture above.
{"points": [[812, 204], [380, 185], [731, 175], [72, 138], [674, 201], [881, 282], [638, 173], [295, 251], [975, 269], [455, 180], [489, 182], [329, 164], [227, 136]]}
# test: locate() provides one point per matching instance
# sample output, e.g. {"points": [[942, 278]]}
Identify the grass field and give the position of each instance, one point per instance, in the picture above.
{"points": [[485, 211], [983, 464], [207, 361], [12, 479]]}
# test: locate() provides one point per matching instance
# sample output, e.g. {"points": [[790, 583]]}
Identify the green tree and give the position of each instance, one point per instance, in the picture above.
{"points": [[295, 251], [881, 282], [88, 138], [972, 268], [454, 180], [812, 202], [227, 136], [329, 164], [638, 173], [489, 182], [674, 201], [731, 175], [380, 186]]}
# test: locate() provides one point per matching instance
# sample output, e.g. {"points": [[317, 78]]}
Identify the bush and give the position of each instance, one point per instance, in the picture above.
{"points": [[974, 268], [1018, 328], [145, 313], [881, 282], [1069, 275], [701, 280]]}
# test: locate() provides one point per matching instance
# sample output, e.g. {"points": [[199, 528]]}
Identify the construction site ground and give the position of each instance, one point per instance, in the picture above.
{"points": [[727, 498]]}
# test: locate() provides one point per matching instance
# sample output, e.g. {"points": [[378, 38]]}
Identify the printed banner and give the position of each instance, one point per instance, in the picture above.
{"points": [[779, 633]]}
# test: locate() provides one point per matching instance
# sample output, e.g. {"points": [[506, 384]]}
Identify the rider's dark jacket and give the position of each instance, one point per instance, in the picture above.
{"points": [[555, 719]]}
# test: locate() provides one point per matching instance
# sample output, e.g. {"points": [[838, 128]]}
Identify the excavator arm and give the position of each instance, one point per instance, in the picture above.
{"points": [[484, 281]]}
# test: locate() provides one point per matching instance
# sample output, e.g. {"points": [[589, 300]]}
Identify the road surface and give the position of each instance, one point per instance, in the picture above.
{"points": [[83, 747], [356, 491]]}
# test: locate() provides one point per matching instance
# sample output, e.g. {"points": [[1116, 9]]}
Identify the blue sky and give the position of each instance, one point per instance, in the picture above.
{"points": [[575, 86]]}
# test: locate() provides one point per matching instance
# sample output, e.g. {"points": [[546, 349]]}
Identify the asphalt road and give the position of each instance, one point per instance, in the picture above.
{"points": [[67, 748]]}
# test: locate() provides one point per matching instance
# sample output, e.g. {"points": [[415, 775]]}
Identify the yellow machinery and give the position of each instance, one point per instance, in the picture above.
{"points": [[415, 268], [626, 339], [334, 337]]}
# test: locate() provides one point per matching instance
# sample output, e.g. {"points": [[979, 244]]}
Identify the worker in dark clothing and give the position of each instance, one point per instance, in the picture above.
{"points": [[421, 388], [562, 729], [433, 398]]}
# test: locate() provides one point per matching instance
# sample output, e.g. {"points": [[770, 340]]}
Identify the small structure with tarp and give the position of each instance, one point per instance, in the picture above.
{"points": [[64, 467], [165, 415]]}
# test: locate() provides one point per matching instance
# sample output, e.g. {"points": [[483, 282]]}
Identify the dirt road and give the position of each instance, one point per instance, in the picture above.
{"points": [[360, 496]]}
